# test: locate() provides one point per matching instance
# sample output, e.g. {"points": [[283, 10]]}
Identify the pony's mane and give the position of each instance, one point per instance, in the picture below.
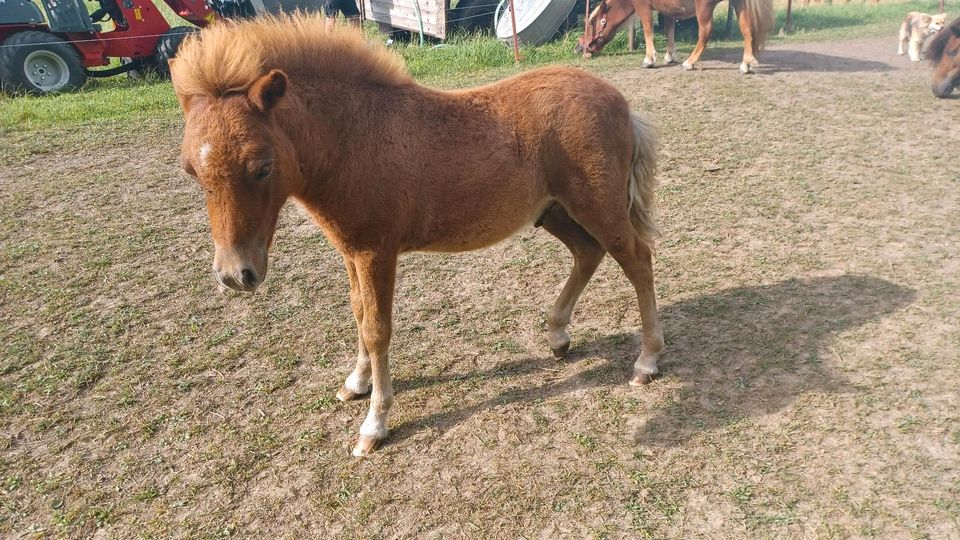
{"points": [[939, 42], [230, 55]]}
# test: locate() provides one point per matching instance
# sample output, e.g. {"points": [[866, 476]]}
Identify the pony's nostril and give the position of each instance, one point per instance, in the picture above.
{"points": [[248, 277]]}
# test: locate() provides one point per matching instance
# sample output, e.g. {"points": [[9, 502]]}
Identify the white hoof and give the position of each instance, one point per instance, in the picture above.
{"points": [[647, 63], [744, 68], [688, 66], [669, 59]]}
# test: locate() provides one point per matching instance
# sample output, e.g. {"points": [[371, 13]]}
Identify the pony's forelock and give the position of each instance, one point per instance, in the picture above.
{"points": [[230, 55]]}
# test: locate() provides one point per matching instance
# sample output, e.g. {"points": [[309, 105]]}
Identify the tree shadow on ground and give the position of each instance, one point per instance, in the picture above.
{"points": [[739, 353]]}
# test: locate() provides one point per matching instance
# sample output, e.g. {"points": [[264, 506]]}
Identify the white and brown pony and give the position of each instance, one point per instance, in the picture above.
{"points": [[754, 16], [281, 108]]}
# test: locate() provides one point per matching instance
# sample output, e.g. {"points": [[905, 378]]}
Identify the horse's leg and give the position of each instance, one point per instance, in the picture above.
{"points": [[743, 18], [376, 274], [645, 12], [705, 20], [587, 254], [904, 38], [615, 232], [915, 40], [358, 383], [671, 28]]}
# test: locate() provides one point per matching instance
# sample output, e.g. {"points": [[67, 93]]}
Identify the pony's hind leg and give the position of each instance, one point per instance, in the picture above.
{"points": [[636, 259], [671, 27], [616, 233], [358, 382], [743, 19], [587, 254], [705, 21]]}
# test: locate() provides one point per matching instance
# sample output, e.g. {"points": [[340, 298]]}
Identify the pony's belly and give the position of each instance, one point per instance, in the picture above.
{"points": [[676, 9], [477, 232]]}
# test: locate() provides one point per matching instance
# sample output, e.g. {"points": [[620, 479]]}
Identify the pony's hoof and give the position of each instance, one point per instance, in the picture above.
{"points": [[365, 445], [346, 394], [669, 59], [642, 379], [561, 351], [687, 66], [744, 68], [647, 63]]}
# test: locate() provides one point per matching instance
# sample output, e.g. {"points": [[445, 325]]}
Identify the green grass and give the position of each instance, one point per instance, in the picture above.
{"points": [[481, 56]]}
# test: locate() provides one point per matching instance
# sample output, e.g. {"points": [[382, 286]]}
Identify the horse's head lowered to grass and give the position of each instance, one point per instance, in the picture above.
{"points": [[602, 25], [944, 53]]}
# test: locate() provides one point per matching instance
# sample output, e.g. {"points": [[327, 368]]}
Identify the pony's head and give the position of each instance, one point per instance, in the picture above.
{"points": [[244, 122], [943, 54], [233, 148], [602, 25]]}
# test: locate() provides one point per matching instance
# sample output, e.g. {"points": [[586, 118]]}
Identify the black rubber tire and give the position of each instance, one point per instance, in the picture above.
{"points": [[17, 47], [396, 34], [167, 47], [146, 67], [473, 15]]}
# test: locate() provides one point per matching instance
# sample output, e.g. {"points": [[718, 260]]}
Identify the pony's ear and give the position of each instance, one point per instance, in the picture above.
{"points": [[268, 90]]}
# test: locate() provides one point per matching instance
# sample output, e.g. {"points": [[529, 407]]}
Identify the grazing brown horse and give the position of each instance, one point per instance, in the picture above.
{"points": [[944, 54], [280, 108], [754, 16]]}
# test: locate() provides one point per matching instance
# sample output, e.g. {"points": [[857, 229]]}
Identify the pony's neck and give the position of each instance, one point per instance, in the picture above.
{"points": [[336, 127]]}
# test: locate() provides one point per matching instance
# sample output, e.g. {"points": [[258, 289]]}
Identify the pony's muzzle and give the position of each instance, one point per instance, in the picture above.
{"points": [[246, 280], [239, 273], [942, 89]]}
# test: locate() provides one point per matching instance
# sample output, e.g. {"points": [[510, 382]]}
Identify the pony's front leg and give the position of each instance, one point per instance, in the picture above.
{"points": [[645, 12], [376, 274], [358, 383]]}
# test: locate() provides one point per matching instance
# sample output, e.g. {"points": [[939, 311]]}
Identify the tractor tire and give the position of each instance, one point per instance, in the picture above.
{"points": [[146, 67], [39, 63], [167, 47], [473, 16]]}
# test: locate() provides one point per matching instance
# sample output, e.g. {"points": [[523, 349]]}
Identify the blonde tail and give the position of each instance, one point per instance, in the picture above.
{"points": [[643, 177], [761, 22]]}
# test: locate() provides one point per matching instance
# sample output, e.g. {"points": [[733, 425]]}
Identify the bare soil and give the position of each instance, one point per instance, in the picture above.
{"points": [[808, 285]]}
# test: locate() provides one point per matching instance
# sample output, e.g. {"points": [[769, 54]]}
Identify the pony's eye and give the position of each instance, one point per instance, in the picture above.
{"points": [[953, 52], [264, 170]]}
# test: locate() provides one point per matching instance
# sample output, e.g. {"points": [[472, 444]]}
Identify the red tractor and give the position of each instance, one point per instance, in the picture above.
{"points": [[39, 56]]}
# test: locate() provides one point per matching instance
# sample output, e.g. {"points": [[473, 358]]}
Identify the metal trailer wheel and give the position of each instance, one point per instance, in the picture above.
{"points": [[39, 63]]}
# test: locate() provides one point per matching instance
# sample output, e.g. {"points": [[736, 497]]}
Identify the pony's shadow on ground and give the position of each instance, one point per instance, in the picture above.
{"points": [[786, 60], [738, 353]]}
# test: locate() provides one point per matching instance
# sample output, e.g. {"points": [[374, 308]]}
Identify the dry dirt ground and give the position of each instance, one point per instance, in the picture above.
{"points": [[808, 285]]}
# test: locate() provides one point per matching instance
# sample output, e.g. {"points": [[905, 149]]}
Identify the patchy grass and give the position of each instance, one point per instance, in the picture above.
{"points": [[807, 280]]}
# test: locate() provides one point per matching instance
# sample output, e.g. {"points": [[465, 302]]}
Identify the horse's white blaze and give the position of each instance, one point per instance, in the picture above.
{"points": [[203, 153]]}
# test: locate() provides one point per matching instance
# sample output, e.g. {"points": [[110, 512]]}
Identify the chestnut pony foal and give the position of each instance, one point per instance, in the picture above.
{"points": [[280, 108]]}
